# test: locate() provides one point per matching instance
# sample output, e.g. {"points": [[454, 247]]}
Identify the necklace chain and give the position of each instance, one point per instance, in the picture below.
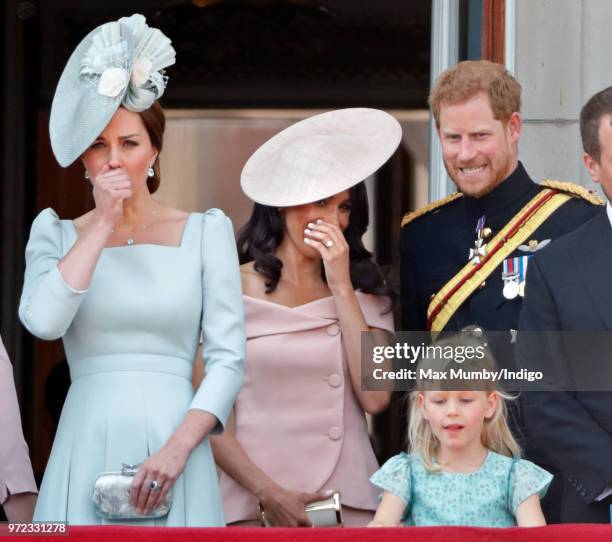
{"points": [[130, 240]]}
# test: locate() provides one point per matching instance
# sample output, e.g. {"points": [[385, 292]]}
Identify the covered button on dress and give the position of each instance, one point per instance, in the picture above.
{"points": [[131, 341]]}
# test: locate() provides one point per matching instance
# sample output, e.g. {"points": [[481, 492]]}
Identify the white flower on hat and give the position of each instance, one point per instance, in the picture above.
{"points": [[126, 59], [141, 71], [112, 82]]}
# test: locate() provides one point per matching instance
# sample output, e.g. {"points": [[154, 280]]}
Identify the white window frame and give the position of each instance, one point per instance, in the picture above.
{"points": [[444, 54]]}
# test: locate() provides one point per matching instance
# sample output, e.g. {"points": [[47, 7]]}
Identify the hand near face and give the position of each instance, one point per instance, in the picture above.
{"points": [[110, 188], [329, 240]]}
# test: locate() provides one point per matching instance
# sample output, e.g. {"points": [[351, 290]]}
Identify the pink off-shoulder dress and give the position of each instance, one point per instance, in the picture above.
{"points": [[296, 415]]}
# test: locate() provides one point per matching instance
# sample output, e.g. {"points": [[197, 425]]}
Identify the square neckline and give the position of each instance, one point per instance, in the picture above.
{"points": [[180, 245]]}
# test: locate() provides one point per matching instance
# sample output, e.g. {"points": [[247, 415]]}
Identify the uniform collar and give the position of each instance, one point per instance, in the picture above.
{"points": [[511, 192]]}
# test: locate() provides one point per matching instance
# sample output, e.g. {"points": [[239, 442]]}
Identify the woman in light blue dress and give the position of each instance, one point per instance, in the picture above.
{"points": [[129, 286]]}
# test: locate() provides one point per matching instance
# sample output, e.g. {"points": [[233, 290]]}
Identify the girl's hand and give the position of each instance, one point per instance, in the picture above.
{"points": [[163, 467], [329, 240], [284, 508], [110, 188]]}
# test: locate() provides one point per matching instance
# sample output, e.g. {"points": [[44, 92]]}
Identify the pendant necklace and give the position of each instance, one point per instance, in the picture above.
{"points": [[130, 240]]}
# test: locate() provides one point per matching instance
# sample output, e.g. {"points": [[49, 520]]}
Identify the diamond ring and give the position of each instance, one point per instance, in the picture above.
{"points": [[154, 485], [329, 243]]}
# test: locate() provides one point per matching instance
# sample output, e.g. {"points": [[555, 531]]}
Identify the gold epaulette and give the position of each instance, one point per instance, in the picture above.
{"points": [[576, 190], [409, 217]]}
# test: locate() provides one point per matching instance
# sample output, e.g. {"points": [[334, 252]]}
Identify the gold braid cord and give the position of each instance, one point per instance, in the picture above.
{"points": [[409, 217], [454, 293], [575, 190]]}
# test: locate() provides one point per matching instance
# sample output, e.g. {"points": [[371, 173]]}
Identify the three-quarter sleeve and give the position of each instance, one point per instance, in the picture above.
{"points": [[48, 305], [224, 343], [15, 467], [394, 477]]}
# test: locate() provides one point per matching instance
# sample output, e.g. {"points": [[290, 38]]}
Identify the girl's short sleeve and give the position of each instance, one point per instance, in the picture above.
{"points": [[527, 479], [394, 477]]}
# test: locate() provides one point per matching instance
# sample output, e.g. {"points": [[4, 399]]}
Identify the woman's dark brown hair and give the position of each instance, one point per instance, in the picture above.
{"points": [[154, 122], [262, 234]]}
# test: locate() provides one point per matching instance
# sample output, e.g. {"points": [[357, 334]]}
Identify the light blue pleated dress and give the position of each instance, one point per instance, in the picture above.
{"points": [[130, 341]]}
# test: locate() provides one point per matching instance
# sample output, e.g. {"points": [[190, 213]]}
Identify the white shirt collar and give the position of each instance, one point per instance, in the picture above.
{"points": [[609, 211]]}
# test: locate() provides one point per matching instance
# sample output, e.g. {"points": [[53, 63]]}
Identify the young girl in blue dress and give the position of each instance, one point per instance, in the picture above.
{"points": [[464, 465]]}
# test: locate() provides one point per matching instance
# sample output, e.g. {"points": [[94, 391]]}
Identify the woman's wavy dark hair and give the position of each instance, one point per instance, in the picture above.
{"points": [[262, 234]]}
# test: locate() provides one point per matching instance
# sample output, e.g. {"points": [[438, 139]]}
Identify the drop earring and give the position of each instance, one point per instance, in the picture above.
{"points": [[86, 175]]}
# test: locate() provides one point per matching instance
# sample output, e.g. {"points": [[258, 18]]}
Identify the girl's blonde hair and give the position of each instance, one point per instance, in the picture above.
{"points": [[496, 434]]}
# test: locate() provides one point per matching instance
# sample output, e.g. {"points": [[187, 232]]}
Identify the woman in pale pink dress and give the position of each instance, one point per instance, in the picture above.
{"points": [[17, 486], [310, 289]]}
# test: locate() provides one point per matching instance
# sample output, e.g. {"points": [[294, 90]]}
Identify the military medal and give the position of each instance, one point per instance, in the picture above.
{"points": [[510, 277], [511, 289], [522, 263], [514, 274], [480, 250]]}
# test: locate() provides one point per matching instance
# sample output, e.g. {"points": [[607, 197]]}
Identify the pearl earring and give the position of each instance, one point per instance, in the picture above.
{"points": [[86, 175], [151, 172]]}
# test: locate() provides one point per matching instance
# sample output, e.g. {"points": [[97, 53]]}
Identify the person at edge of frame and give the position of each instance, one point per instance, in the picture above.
{"points": [[496, 221], [574, 426], [17, 485]]}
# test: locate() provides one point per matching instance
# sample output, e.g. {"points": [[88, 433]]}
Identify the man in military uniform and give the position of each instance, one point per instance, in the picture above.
{"points": [[464, 259], [569, 290]]}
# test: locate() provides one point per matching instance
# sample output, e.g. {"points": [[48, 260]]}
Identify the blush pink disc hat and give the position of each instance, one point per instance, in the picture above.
{"points": [[320, 156]]}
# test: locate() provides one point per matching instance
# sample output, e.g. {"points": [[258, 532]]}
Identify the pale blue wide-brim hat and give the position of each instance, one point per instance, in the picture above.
{"points": [[118, 64], [320, 156]]}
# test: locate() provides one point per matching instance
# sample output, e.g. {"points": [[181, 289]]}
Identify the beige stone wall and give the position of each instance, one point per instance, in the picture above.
{"points": [[562, 57]]}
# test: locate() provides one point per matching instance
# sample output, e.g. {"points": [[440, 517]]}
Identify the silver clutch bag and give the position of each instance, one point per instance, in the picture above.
{"points": [[111, 496], [327, 513]]}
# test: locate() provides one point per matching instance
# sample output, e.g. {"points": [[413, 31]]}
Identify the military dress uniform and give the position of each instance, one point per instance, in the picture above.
{"points": [[449, 244], [437, 242]]}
